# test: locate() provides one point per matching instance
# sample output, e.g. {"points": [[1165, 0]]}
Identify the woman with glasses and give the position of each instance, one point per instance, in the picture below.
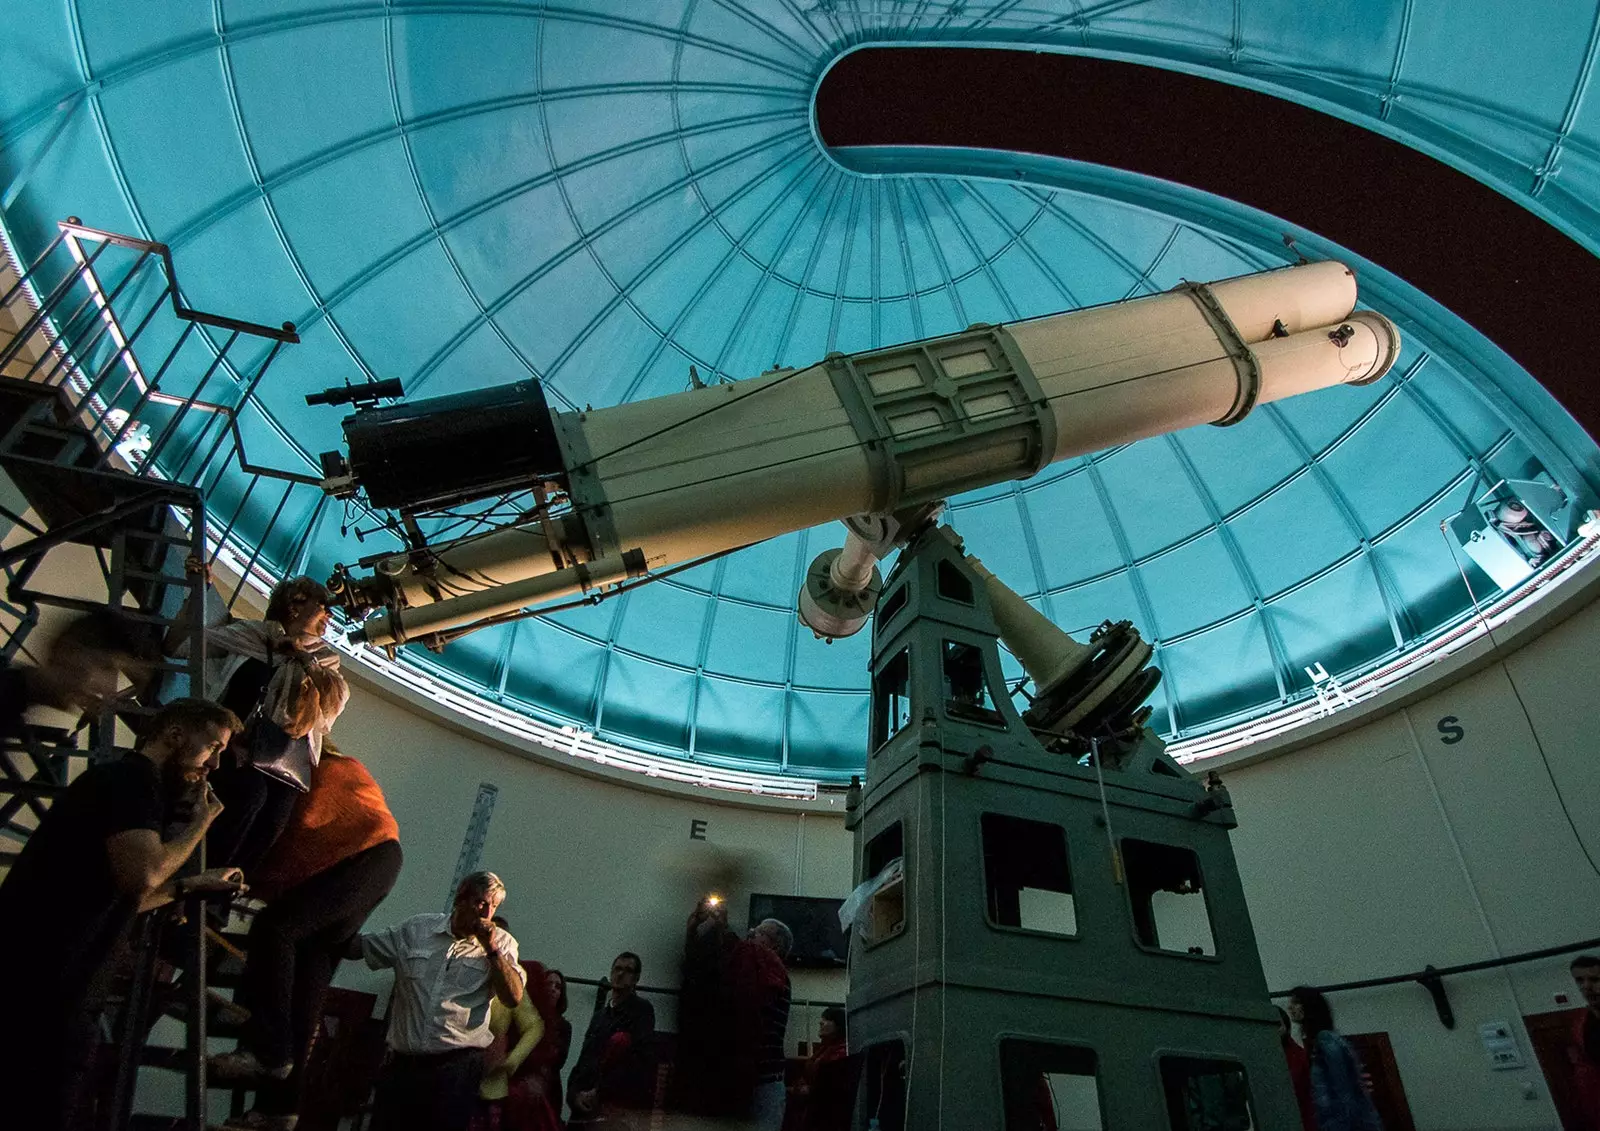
{"points": [[283, 680]]}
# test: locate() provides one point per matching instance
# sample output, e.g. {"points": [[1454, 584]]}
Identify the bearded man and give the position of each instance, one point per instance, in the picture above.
{"points": [[96, 860]]}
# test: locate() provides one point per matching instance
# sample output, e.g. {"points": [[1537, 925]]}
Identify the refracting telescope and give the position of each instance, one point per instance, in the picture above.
{"points": [[877, 438]]}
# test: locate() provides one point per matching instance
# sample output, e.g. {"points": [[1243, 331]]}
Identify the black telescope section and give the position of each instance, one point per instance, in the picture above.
{"points": [[369, 392], [450, 450]]}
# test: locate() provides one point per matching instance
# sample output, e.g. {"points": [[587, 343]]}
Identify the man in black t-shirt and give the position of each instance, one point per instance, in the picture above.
{"points": [[97, 859]]}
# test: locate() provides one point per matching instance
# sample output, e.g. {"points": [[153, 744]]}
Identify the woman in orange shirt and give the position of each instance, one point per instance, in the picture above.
{"points": [[335, 862]]}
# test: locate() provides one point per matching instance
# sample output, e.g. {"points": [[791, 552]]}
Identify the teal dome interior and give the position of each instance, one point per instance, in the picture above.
{"points": [[600, 195]]}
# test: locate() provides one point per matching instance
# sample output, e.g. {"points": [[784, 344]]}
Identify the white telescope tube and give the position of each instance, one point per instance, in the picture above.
{"points": [[384, 628], [709, 470], [855, 565]]}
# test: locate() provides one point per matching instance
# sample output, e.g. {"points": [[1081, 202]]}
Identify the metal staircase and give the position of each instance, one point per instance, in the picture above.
{"points": [[108, 453]]}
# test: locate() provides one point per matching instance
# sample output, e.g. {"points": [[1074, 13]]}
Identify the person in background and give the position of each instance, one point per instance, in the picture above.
{"points": [[712, 1074], [614, 1079], [447, 968], [95, 861], [1584, 1051], [1299, 1070], [283, 680], [336, 861], [1338, 1099], [761, 986], [826, 1092], [82, 670], [505, 1057], [534, 1103]]}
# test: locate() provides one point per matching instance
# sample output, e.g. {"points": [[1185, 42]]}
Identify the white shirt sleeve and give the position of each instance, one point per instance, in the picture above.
{"points": [[382, 949], [507, 945]]}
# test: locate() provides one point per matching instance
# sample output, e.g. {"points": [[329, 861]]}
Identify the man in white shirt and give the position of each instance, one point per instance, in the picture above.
{"points": [[446, 970]]}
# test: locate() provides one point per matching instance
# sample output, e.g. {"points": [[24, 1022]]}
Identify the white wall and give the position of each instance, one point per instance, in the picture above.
{"points": [[1387, 848]]}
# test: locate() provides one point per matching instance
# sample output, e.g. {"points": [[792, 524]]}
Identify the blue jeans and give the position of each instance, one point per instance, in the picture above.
{"points": [[766, 1106]]}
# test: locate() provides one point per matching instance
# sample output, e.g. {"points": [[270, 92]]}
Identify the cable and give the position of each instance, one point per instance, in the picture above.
{"points": [[1533, 731], [854, 444], [916, 955], [592, 460], [1105, 812], [590, 599], [688, 419]]}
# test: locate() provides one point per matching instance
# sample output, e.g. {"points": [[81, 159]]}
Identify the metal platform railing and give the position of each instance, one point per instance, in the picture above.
{"points": [[120, 412]]}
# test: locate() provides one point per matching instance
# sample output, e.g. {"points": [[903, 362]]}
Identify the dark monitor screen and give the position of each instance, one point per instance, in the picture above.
{"points": [[818, 940]]}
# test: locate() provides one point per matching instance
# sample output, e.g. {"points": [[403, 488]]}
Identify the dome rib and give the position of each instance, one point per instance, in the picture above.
{"points": [[1247, 577], [738, 324], [403, 129], [940, 189], [610, 644], [707, 623], [802, 558], [269, 206], [914, 292], [584, 243], [947, 279], [1019, 240], [1330, 488], [1041, 588], [1147, 617], [836, 184], [1569, 118]]}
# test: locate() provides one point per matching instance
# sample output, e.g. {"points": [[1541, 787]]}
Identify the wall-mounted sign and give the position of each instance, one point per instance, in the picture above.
{"points": [[1501, 1045]]}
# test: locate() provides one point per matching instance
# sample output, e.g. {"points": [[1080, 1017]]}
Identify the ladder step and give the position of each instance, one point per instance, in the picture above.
{"points": [[227, 975], [31, 788], [168, 539], [55, 741], [141, 1121], [177, 1060], [64, 431], [179, 666], [164, 1056], [223, 1018], [84, 606], [151, 575], [230, 943]]}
